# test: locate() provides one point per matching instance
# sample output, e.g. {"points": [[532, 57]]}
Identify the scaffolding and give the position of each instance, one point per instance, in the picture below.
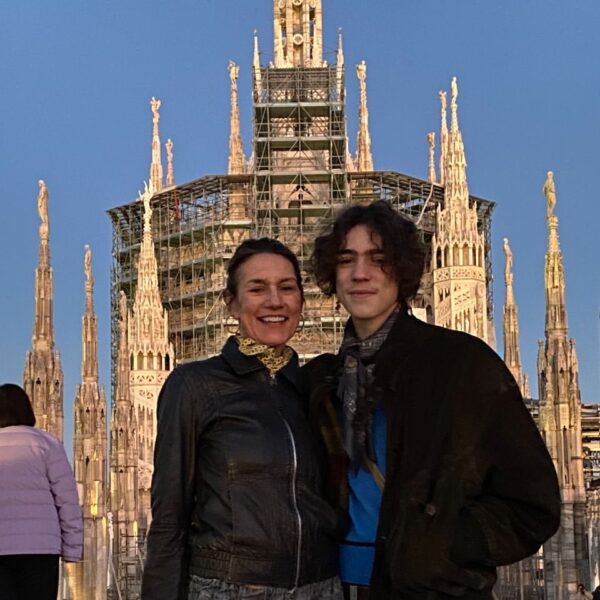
{"points": [[197, 226], [523, 580], [298, 182]]}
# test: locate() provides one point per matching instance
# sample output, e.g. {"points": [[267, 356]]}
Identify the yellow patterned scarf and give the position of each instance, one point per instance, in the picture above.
{"points": [[266, 354]]}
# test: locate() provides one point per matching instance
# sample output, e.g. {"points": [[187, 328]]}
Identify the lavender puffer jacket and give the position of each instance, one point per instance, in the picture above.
{"points": [[39, 506]]}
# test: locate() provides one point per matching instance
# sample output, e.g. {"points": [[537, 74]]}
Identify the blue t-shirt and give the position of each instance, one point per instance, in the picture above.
{"points": [[357, 553]]}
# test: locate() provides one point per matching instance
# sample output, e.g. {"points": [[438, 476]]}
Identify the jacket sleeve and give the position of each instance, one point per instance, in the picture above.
{"points": [[519, 507], [66, 500], [166, 568]]}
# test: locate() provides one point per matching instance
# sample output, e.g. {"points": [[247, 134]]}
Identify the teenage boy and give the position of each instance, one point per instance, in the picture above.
{"points": [[433, 455]]}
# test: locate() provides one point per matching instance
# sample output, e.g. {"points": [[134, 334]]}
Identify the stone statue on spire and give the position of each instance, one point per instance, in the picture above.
{"points": [[155, 105], [234, 73], [454, 105], [550, 193], [145, 198], [444, 103], [156, 170], [364, 156], [170, 167], [256, 66], [88, 264], [431, 143], [509, 262], [443, 133], [237, 160], [361, 71], [42, 203]]}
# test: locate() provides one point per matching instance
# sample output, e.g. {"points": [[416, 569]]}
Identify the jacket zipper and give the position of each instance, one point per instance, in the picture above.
{"points": [[295, 502], [273, 382]]}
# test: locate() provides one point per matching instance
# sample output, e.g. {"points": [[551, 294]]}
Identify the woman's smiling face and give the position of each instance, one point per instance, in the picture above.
{"points": [[268, 300]]}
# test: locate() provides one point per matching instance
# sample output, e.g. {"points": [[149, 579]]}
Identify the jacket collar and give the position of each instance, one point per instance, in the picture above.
{"points": [[406, 335], [244, 365]]}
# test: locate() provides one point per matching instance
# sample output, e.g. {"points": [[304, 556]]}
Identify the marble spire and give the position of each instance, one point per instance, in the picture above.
{"points": [[565, 554], [443, 133], [237, 160], [87, 579], [364, 157], [256, 67], [124, 453], [510, 322], [151, 354], [43, 375], [340, 63], [455, 163], [458, 257], [156, 170], [432, 176], [170, 165]]}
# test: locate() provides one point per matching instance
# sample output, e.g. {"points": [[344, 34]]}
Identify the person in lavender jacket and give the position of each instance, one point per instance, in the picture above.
{"points": [[40, 517]]}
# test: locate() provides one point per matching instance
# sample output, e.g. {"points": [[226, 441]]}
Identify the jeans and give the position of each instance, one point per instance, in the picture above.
{"points": [[215, 589]]}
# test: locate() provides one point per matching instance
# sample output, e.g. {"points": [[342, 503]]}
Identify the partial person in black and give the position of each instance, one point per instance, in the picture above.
{"points": [[237, 492], [433, 453]]}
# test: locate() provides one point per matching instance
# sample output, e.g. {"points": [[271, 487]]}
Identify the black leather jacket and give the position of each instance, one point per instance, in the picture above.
{"points": [[237, 486]]}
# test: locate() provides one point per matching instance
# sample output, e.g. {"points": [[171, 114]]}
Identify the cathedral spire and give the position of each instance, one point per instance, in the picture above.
{"points": [[123, 352], [458, 257], [148, 323], [156, 170], [151, 355], [364, 158], [340, 65], [237, 160], [170, 167], [432, 177], [123, 458], [560, 419], [43, 329], [455, 172], [43, 375], [512, 356], [298, 33], [554, 277], [256, 66], [89, 456], [89, 362], [443, 134]]}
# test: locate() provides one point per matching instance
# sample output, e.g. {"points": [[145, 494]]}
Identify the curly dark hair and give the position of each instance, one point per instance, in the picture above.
{"points": [[403, 248], [250, 248]]}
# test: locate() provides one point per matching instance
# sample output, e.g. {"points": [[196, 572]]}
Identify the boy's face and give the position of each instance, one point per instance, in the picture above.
{"points": [[363, 282]]}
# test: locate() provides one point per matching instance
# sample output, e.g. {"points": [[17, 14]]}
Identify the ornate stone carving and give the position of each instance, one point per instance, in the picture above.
{"points": [[43, 375], [237, 160], [431, 143], [156, 170], [560, 420], [364, 157]]}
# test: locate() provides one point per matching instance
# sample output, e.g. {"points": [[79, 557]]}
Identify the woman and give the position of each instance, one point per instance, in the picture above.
{"points": [[237, 503], [40, 517]]}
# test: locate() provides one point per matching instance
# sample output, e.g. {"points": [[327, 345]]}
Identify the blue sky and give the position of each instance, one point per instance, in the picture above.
{"points": [[76, 79]]}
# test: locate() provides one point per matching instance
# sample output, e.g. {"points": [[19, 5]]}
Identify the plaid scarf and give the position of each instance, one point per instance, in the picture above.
{"points": [[355, 389]]}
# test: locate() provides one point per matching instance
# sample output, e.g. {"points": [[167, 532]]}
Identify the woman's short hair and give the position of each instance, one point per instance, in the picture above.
{"points": [[403, 249], [251, 248], [15, 406]]}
